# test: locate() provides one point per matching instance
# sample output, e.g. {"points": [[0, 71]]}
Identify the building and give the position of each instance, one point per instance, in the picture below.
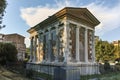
{"points": [[18, 41], [117, 46], [1, 37], [116, 43], [65, 39]]}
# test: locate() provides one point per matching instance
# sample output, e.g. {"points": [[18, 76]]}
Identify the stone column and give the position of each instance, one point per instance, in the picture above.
{"points": [[86, 45], [77, 44], [34, 53], [38, 47], [41, 39], [93, 44], [66, 43], [31, 49], [57, 44], [49, 47]]}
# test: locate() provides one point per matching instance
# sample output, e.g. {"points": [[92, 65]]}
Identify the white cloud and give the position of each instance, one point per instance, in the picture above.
{"points": [[34, 15], [108, 16], [27, 42]]}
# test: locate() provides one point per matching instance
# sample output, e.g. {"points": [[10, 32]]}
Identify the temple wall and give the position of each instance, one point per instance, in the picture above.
{"points": [[84, 69]]}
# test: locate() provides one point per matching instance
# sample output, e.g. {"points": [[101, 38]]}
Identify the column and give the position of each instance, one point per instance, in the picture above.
{"points": [[37, 49], [34, 52], [31, 49], [40, 46], [66, 43], [57, 45], [93, 44], [77, 44], [86, 45], [49, 47]]}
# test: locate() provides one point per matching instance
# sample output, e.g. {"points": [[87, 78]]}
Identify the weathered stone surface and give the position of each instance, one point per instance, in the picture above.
{"points": [[66, 73]]}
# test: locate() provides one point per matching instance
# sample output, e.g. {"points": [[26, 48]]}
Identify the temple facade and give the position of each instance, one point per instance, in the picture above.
{"points": [[65, 38]]}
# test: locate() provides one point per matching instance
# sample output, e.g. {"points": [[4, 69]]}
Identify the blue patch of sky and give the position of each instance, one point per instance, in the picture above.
{"points": [[15, 24], [111, 35], [108, 3]]}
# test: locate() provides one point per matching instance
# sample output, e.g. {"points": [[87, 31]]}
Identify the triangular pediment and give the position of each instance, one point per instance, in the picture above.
{"points": [[81, 14], [84, 14]]}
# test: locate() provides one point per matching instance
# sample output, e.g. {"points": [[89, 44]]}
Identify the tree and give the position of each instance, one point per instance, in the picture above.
{"points": [[8, 53], [27, 53], [104, 51], [3, 5]]}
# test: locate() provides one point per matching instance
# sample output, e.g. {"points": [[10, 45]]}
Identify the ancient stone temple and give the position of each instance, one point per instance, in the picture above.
{"points": [[65, 39]]}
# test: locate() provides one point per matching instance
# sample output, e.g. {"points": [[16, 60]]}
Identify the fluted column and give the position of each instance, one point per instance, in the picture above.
{"points": [[93, 44], [31, 49], [77, 44], [86, 45], [37, 49], [57, 45], [66, 43], [49, 47], [34, 50]]}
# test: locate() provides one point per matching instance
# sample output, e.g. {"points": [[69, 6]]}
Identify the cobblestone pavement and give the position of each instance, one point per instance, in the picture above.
{"points": [[8, 75]]}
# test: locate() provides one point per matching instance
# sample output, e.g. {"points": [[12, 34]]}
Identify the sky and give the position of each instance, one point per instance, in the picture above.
{"points": [[22, 14]]}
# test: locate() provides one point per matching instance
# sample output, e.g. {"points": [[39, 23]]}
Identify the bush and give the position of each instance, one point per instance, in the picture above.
{"points": [[117, 66], [8, 53], [107, 66], [29, 73]]}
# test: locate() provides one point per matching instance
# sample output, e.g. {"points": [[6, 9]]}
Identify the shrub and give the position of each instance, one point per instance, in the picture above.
{"points": [[117, 66], [107, 66], [8, 53]]}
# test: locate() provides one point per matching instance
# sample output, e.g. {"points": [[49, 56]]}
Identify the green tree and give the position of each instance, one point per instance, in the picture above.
{"points": [[8, 52], [104, 51], [1, 52], [3, 5], [27, 53]]}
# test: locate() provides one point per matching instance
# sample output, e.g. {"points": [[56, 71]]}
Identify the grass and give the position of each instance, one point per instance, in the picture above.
{"points": [[107, 76], [35, 74]]}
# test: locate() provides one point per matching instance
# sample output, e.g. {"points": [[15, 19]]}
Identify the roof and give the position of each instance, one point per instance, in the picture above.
{"points": [[14, 34], [1, 34], [81, 13]]}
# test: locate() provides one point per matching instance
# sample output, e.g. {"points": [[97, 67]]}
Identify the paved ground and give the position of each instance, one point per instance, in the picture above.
{"points": [[8, 75]]}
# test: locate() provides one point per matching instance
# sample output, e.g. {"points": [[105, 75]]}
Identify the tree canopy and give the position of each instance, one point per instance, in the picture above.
{"points": [[3, 5], [8, 52], [105, 51]]}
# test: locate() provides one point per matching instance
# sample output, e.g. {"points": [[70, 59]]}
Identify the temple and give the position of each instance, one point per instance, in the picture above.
{"points": [[65, 39]]}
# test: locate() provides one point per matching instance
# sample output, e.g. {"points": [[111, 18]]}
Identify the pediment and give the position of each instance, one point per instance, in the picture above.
{"points": [[84, 14]]}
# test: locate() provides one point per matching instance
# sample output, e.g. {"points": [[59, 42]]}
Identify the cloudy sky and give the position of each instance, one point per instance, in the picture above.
{"points": [[23, 14]]}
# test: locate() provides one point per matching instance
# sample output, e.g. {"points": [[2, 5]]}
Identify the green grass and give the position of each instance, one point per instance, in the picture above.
{"points": [[107, 76], [35, 74]]}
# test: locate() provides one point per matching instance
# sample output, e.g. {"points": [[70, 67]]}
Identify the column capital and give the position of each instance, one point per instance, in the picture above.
{"points": [[31, 37]]}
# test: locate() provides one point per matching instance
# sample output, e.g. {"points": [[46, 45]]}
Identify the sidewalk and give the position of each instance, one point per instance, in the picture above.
{"points": [[8, 75]]}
